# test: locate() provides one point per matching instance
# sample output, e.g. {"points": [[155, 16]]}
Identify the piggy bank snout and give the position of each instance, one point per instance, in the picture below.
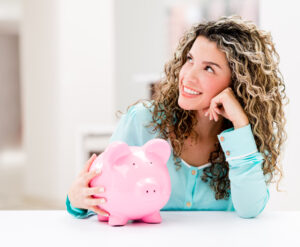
{"points": [[149, 189]]}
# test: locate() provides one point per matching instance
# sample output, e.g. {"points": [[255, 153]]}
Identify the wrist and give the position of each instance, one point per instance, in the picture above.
{"points": [[77, 212], [71, 201], [241, 123]]}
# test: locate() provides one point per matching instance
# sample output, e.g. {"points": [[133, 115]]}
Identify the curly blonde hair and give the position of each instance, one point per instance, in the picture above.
{"points": [[257, 83]]}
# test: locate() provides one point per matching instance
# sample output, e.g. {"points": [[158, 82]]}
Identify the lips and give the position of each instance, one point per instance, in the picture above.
{"points": [[182, 88], [188, 95], [191, 89]]}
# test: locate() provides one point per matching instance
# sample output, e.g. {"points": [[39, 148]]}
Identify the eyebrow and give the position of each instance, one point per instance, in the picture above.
{"points": [[207, 62]]}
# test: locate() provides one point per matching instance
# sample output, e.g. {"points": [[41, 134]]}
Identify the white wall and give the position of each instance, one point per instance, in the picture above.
{"points": [[141, 46], [87, 74], [281, 18], [67, 77], [40, 95]]}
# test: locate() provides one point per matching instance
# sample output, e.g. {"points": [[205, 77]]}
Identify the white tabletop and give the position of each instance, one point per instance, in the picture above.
{"points": [[193, 228]]}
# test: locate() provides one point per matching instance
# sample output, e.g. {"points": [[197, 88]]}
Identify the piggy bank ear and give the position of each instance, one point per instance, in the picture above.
{"points": [[158, 147], [115, 151]]}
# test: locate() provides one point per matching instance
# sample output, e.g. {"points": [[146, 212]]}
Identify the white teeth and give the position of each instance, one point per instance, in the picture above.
{"points": [[189, 91]]}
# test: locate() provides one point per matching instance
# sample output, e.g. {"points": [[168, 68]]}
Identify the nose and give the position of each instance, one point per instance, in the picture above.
{"points": [[192, 75]]}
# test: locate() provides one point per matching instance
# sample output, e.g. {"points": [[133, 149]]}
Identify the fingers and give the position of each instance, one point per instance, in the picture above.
{"points": [[213, 112], [213, 116], [214, 109], [97, 210], [218, 110], [88, 176], [89, 163], [94, 201], [93, 204], [94, 191]]}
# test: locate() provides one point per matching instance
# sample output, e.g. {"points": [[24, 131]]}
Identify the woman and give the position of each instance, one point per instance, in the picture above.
{"points": [[220, 107]]}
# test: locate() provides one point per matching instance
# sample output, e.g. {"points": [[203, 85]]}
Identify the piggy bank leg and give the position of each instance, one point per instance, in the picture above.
{"points": [[152, 218], [117, 220], [102, 218]]}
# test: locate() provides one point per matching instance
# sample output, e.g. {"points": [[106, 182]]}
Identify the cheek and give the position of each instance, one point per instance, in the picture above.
{"points": [[181, 74], [214, 87], [211, 86]]}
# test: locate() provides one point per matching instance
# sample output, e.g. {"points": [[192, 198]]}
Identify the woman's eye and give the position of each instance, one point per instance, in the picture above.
{"points": [[188, 57], [207, 67], [211, 70]]}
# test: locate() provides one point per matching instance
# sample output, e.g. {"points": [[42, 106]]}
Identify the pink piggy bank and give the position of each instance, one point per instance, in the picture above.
{"points": [[136, 181]]}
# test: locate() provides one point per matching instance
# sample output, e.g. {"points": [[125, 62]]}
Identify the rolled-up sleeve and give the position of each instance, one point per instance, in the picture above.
{"points": [[249, 191], [78, 212]]}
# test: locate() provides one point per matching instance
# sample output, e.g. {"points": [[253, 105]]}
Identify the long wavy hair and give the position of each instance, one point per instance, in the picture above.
{"points": [[257, 83]]}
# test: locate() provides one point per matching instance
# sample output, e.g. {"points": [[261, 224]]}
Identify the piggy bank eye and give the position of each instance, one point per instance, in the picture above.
{"points": [[150, 162], [133, 163]]}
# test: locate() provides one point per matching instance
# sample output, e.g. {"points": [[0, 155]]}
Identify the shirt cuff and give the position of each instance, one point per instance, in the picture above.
{"points": [[76, 212], [237, 143]]}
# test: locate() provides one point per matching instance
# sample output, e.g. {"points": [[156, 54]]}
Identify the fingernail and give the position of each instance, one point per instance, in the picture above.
{"points": [[102, 200], [98, 171], [101, 189]]}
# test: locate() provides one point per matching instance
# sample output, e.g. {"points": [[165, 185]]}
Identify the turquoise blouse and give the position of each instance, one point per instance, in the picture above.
{"points": [[249, 193]]}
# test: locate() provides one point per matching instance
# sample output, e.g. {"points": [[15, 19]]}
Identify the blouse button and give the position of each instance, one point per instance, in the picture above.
{"points": [[188, 204], [222, 138], [193, 172], [227, 153]]}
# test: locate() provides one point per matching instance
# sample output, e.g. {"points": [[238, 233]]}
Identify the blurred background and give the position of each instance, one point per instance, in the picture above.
{"points": [[67, 66]]}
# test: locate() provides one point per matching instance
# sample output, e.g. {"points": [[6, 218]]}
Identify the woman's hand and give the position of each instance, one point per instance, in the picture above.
{"points": [[226, 104], [80, 194]]}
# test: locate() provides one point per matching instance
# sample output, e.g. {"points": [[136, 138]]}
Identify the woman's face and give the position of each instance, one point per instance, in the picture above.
{"points": [[204, 75]]}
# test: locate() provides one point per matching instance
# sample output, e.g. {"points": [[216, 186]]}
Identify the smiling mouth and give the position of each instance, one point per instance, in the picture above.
{"points": [[190, 91]]}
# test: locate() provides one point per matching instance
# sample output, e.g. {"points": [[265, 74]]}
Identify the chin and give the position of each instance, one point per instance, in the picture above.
{"points": [[185, 105], [189, 106]]}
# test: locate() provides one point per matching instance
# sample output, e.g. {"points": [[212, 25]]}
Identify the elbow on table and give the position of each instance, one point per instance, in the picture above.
{"points": [[250, 213]]}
